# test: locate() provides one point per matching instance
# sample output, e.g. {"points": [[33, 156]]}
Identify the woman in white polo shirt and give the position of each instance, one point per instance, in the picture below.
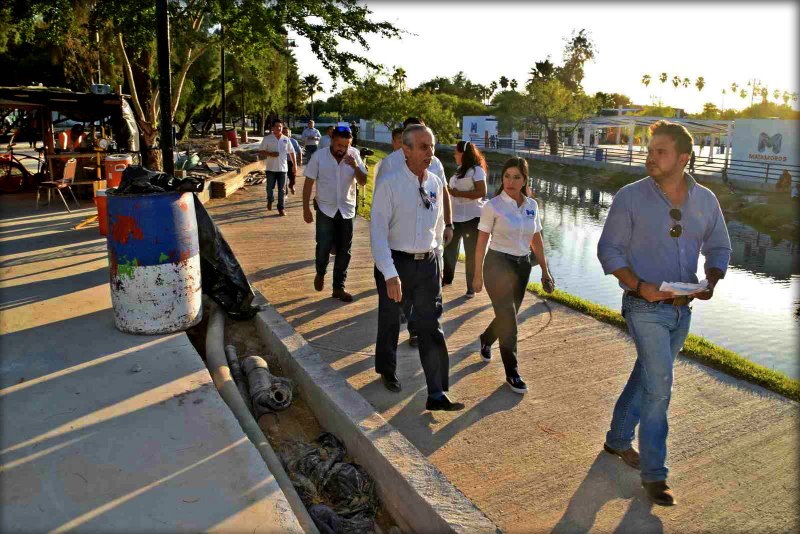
{"points": [[512, 220], [467, 188]]}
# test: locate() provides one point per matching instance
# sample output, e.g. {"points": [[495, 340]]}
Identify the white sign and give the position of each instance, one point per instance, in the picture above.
{"points": [[766, 141], [478, 127]]}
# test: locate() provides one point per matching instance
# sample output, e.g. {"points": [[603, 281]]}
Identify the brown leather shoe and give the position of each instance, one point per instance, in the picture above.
{"points": [[659, 493], [629, 456], [319, 282], [341, 294], [269, 206], [282, 213]]}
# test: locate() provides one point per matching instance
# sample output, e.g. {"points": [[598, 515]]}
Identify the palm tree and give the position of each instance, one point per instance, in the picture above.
{"points": [[399, 78], [663, 77], [794, 96], [742, 94], [646, 79], [764, 93], [734, 87], [513, 85], [312, 86], [776, 94], [492, 88], [504, 82], [786, 97], [700, 82], [676, 81], [686, 82]]}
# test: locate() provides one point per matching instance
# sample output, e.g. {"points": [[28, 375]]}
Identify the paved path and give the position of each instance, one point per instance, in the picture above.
{"points": [[534, 463], [103, 431]]}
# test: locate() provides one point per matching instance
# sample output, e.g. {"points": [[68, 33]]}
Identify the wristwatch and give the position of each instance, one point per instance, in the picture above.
{"points": [[639, 286], [448, 226]]}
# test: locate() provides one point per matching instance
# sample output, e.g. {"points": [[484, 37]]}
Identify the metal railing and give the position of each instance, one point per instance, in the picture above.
{"points": [[715, 162]]}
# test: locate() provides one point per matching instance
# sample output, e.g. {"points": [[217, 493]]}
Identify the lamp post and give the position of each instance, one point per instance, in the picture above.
{"points": [[289, 45]]}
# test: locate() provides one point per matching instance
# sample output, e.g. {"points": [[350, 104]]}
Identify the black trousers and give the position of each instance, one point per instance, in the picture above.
{"points": [[420, 282], [505, 280], [332, 231], [468, 231], [291, 173], [310, 149]]}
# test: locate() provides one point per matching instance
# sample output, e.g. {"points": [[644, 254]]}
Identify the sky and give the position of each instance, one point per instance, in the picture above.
{"points": [[724, 43]]}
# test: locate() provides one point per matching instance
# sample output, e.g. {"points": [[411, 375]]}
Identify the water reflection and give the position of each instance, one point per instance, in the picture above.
{"points": [[754, 310]]}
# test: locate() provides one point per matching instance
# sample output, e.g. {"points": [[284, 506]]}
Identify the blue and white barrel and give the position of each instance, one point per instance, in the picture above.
{"points": [[154, 261]]}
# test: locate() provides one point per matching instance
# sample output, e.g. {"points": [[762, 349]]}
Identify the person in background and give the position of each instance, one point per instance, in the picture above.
{"points": [[655, 230], [513, 222], [354, 128], [467, 190], [326, 141], [311, 138], [278, 150], [406, 227], [336, 171], [298, 156]]}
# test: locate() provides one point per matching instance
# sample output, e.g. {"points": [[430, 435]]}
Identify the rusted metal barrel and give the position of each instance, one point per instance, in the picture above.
{"points": [[154, 262]]}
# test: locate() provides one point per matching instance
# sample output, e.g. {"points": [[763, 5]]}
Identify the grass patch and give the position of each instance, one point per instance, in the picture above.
{"points": [[365, 203], [696, 347]]}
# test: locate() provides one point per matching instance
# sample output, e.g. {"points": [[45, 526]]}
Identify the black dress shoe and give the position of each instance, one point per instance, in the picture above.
{"points": [[413, 341], [444, 404], [391, 382]]}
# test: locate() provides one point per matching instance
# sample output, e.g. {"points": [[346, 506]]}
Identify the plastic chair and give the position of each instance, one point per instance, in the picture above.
{"points": [[64, 183]]}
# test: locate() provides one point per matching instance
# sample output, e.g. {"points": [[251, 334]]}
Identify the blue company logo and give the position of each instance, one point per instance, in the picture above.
{"points": [[765, 142], [432, 194], [530, 213]]}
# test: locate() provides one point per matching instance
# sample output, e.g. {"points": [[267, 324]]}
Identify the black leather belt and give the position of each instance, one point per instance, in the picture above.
{"points": [[510, 257], [416, 256], [682, 300]]}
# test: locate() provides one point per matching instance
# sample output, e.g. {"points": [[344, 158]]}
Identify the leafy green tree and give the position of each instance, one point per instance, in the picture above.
{"points": [[513, 84], [646, 79], [663, 77], [700, 82], [504, 83], [611, 100], [312, 86], [399, 78]]}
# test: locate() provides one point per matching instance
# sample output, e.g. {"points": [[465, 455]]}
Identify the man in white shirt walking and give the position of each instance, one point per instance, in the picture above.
{"points": [[388, 166], [325, 142], [336, 170], [407, 225], [277, 147], [311, 138]]}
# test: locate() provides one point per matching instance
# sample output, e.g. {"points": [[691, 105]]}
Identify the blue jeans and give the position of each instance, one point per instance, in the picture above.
{"points": [[659, 331], [272, 179]]}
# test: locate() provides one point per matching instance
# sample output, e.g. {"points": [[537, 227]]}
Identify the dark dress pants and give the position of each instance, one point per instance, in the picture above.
{"points": [[505, 280], [420, 283], [468, 231], [332, 231]]}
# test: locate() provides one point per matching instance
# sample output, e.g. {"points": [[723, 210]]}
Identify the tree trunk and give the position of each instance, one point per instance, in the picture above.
{"points": [[141, 68], [552, 140]]}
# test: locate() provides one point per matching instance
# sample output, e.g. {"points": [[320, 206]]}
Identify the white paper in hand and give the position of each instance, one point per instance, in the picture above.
{"points": [[683, 288]]}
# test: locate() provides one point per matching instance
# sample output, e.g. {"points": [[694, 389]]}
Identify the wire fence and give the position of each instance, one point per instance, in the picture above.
{"points": [[716, 162]]}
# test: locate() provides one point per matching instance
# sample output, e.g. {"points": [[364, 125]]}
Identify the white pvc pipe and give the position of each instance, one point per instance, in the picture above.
{"points": [[221, 375]]}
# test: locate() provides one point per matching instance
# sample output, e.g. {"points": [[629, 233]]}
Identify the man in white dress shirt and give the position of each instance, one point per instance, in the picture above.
{"points": [[406, 227], [325, 142], [336, 170], [311, 138], [277, 147], [388, 166]]}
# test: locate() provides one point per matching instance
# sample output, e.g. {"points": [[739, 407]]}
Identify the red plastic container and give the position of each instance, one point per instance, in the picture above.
{"points": [[230, 135], [115, 164], [102, 211]]}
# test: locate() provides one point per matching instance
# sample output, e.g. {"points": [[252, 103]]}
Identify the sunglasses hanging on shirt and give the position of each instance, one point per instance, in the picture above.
{"points": [[676, 229], [425, 198]]}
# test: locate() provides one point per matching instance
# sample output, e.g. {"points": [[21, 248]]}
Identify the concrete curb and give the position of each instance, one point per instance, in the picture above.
{"points": [[417, 495]]}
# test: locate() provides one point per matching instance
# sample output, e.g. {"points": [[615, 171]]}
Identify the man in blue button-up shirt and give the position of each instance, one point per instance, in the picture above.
{"points": [[655, 231]]}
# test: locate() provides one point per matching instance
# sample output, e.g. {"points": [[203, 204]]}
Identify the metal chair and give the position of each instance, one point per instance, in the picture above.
{"points": [[64, 183]]}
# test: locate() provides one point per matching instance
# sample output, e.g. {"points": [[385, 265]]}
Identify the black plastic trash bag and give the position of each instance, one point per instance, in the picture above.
{"points": [[138, 180], [223, 278]]}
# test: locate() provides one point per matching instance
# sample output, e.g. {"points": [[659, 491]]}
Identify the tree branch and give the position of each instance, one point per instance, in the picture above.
{"points": [[129, 74]]}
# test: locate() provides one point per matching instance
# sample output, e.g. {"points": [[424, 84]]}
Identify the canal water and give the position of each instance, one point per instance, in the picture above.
{"points": [[753, 311]]}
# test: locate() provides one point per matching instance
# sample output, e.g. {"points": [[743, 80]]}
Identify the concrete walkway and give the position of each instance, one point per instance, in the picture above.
{"points": [[103, 431], [534, 463]]}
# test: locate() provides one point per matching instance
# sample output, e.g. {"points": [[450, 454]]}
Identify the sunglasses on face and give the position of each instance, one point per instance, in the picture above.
{"points": [[425, 198], [676, 229]]}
